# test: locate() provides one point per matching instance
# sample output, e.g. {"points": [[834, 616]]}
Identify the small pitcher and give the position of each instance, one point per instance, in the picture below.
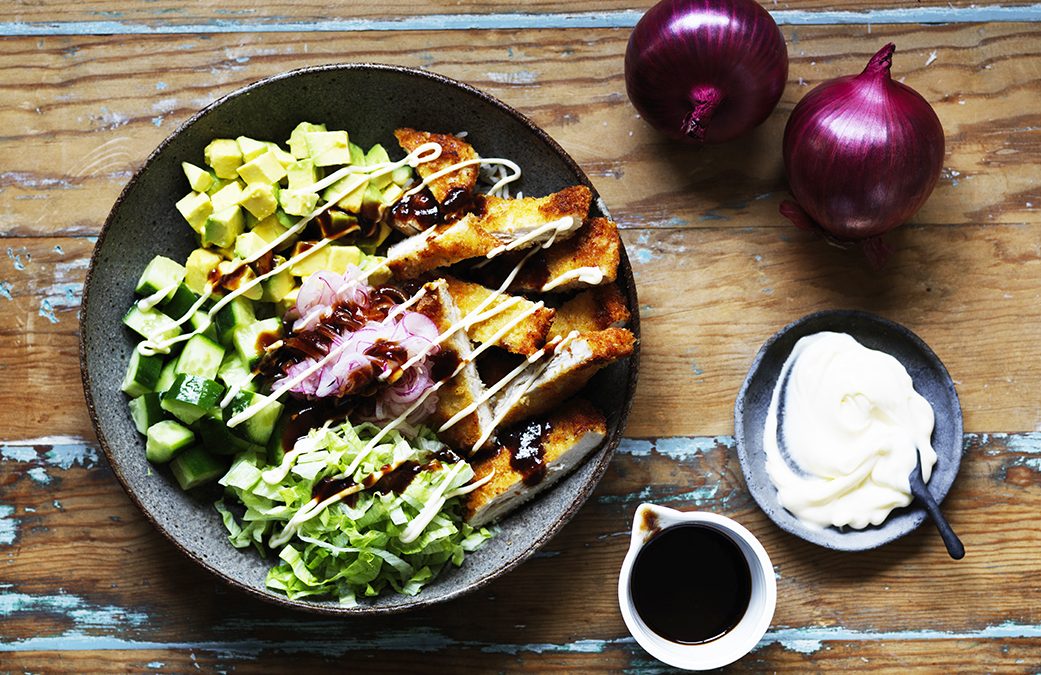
{"points": [[650, 520]]}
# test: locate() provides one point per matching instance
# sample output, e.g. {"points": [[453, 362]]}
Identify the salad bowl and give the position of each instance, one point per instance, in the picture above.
{"points": [[372, 101]]}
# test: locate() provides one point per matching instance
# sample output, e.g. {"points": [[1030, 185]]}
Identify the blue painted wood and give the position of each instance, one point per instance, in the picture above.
{"points": [[517, 21]]}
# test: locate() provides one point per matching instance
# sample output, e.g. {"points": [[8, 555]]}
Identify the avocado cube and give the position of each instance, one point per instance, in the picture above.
{"points": [[196, 207], [298, 139], [217, 185], [357, 155], [222, 227], [392, 194], [227, 196], [402, 175], [276, 288], [286, 220], [371, 201], [284, 158], [331, 258], [377, 154], [288, 302], [259, 200], [270, 229], [198, 267], [237, 275], [350, 190], [251, 148], [328, 148], [200, 179], [339, 258], [248, 244], [301, 174], [297, 203], [224, 156], [310, 264], [264, 169]]}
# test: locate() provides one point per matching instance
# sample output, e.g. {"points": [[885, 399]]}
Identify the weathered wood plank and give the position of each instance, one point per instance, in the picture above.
{"points": [[92, 108], [70, 593]]}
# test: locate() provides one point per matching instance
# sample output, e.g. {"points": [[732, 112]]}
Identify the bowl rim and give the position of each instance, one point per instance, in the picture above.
{"points": [[918, 513], [606, 451]]}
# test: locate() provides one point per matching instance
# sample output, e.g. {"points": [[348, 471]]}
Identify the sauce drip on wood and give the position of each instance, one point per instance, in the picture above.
{"points": [[691, 584], [526, 443]]}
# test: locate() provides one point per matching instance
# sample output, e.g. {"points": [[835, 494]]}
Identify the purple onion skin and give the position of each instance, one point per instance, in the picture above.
{"points": [[862, 153], [706, 71]]}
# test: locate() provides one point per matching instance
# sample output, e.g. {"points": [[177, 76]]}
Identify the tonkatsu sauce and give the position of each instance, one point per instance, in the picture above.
{"points": [[526, 444]]}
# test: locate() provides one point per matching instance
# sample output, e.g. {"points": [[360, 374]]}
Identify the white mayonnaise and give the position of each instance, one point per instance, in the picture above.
{"points": [[841, 435]]}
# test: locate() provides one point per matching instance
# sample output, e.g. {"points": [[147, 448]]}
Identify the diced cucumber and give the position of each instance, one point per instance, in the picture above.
{"points": [[276, 444], [178, 304], [195, 467], [234, 315], [165, 439], [401, 175], [160, 273], [251, 340], [202, 322], [190, 396], [233, 372], [219, 439], [201, 356], [257, 428], [145, 411], [151, 323], [142, 374], [166, 376]]}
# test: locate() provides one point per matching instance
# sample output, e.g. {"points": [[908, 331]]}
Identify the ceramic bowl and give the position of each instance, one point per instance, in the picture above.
{"points": [[931, 380], [370, 101]]}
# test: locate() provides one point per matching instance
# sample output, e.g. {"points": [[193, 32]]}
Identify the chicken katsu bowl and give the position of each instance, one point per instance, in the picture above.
{"points": [[359, 338]]}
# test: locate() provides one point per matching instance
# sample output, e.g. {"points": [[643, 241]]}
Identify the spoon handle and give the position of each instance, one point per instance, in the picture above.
{"points": [[954, 546]]}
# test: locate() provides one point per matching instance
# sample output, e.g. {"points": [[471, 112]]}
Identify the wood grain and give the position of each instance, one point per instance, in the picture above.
{"points": [[835, 608]]}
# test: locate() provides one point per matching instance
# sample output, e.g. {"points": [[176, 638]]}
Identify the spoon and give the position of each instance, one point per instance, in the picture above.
{"points": [[922, 494]]}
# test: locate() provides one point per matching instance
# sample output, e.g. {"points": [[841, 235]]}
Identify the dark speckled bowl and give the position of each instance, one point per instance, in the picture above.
{"points": [[370, 101], [930, 380]]}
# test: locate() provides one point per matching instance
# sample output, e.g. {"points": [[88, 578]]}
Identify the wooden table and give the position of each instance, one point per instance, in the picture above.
{"points": [[90, 88]]}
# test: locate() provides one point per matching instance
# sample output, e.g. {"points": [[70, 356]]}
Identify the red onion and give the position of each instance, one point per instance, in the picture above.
{"points": [[862, 155], [706, 70]]}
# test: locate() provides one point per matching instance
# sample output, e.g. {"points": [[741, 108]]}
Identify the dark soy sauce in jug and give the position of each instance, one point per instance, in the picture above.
{"points": [[691, 584]]}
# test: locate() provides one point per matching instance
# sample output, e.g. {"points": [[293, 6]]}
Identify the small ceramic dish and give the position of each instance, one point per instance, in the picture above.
{"points": [[370, 100], [931, 380]]}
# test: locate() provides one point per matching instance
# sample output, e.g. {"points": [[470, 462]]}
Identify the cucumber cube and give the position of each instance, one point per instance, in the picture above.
{"points": [[160, 273], [151, 323], [233, 372], [251, 340], [199, 179], [401, 175], [146, 411], [257, 428], [142, 374], [195, 467], [219, 439], [190, 396], [166, 376], [179, 302], [201, 356], [166, 439], [237, 313]]}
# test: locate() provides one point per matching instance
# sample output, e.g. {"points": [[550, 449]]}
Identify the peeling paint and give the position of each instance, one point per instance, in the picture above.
{"points": [[519, 77], [39, 474], [60, 452], [5, 290], [8, 525], [47, 311], [84, 614]]}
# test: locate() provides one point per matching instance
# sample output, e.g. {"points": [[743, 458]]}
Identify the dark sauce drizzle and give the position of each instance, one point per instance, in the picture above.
{"points": [[526, 443]]}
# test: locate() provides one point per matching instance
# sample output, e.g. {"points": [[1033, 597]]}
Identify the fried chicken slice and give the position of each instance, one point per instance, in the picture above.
{"points": [[591, 310], [589, 258], [525, 338], [439, 247], [534, 457], [528, 218], [453, 151]]}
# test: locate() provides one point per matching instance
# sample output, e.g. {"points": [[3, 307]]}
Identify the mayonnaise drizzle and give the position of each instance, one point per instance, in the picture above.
{"points": [[587, 275], [154, 299]]}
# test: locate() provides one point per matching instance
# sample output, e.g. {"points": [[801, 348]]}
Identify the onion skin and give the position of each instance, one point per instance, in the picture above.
{"points": [[706, 71], [862, 154]]}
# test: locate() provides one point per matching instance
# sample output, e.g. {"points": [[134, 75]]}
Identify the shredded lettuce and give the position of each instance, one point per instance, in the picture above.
{"points": [[357, 547]]}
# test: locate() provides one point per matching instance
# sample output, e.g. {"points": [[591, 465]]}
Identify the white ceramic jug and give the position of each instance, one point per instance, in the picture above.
{"points": [[649, 521]]}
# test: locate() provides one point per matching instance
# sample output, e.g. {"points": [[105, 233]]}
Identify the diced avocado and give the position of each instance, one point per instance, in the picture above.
{"points": [[251, 340], [378, 155], [251, 148], [142, 374], [278, 286], [195, 467], [259, 426], [198, 178], [199, 266], [166, 376], [151, 324], [328, 148], [234, 372], [348, 192], [160, 273], [196, 207], [371, 202], [179, 302], [391, 194], [288, 302], [286, 220], [237, 313], [260, 200], [401, 175], [298, 139], [222, 227], [357, 154], [227, 196], [200, 356], [337, 223], [248, 244], [271, 229], [224, 156], [284, 158], [145, 411], [264, 169], [301, 174], [219, 184], [332, 258], [236, 275], [219, 439], [297, 203], [190, 396], [166, 439]]}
